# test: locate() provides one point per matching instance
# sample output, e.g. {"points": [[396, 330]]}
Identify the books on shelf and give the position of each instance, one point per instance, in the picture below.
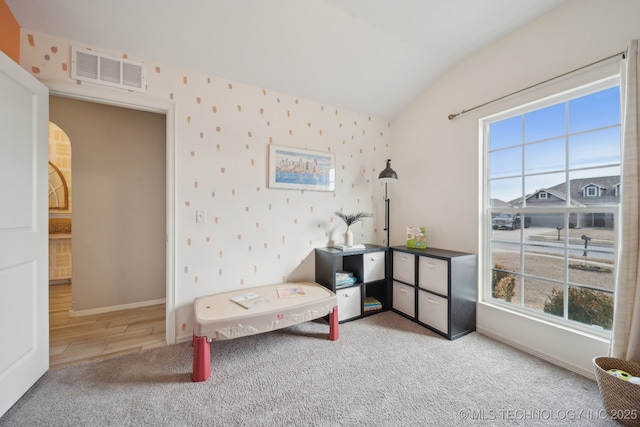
{"points": [[372, 304], [290, 292], [346, 282], [349, 247], [416, 237], [343, 275], [249, 300], [344, 278]]}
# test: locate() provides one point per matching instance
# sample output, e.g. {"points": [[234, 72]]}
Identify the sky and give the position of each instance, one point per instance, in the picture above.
{"points": [[535, 150]]}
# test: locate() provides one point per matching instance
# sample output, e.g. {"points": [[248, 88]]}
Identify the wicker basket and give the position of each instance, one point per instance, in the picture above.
{"points": [[621, 398]]}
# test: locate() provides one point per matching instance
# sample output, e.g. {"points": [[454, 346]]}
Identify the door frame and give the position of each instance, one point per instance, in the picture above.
{"points": [[139, 102]]}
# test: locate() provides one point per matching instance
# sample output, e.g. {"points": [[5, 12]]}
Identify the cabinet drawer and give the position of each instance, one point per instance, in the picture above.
{"points": [[433, 275], [404, 267], [404, 299], [373, 265], [433, 311], [349, 303]]}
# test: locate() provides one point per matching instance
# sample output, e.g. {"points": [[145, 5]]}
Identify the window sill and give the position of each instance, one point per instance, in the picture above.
{"points": [[604, 336]]}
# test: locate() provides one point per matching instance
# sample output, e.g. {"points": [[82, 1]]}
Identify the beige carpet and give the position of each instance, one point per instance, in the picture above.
{"points": [[383, 371]]}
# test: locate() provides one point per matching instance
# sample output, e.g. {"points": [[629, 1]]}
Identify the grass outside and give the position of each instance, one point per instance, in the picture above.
{"points": [[552, 266]]}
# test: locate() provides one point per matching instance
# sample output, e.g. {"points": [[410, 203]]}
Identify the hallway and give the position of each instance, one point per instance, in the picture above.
{"points": [[99, 336]]}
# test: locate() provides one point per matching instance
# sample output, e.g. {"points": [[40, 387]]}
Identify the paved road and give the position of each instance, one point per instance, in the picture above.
{"points": [[594, 251]]}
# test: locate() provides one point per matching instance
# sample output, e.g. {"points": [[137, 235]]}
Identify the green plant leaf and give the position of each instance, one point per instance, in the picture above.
{"points": [[352, 218]]}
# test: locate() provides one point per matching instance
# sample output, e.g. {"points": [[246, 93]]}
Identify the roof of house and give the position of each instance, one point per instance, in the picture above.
{"points": [[607, 194]]}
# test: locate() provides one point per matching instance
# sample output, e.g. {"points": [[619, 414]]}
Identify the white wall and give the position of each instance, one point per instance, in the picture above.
{"points": [[443, 155], [254, 235]]}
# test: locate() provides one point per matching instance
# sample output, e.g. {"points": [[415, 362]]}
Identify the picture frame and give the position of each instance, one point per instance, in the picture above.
{"points": [[299, 169]]}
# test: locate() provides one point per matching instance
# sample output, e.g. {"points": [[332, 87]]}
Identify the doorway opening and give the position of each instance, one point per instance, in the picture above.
{"points": [[117, 233], [60, 201]]}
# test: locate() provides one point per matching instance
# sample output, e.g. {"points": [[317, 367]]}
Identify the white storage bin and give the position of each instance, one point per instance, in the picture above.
{"points": [[349, 303], [373, 266], [433, 275], [404, 298], [433, 311], [404, 267]]}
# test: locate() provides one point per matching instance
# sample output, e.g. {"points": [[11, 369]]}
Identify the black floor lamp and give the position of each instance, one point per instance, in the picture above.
{"points": [[387, 175]]}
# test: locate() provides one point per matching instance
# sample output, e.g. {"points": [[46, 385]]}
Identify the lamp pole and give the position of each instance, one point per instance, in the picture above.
{"points": [[386, 213], [387, 175]]}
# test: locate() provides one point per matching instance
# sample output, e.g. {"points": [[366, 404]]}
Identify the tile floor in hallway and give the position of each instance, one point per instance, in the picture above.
{"points": [[74, 340]]}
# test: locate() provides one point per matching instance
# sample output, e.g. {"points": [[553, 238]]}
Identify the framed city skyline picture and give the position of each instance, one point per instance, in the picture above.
{"points": [[299, 169]]}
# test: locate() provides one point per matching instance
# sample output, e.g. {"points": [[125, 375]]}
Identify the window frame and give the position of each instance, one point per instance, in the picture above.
{"points": [[487, 212], [591, 191]]}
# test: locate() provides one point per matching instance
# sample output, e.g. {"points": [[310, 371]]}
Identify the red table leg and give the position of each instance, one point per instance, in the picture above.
{"points": [[333, 324], [201, 359]]}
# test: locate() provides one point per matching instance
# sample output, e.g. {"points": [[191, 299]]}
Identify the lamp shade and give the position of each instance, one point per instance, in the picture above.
{"points": [[388, 174]]}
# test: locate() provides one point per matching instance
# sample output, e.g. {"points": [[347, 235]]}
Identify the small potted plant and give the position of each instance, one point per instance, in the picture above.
{"points": [[351, 219]]}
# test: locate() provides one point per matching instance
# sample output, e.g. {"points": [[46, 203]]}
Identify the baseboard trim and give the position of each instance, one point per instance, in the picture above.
{"points": [[101, 310], [546, 357]]}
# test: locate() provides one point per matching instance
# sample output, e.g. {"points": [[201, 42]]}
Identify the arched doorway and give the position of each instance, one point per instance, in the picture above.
{"points": [[60, 206]]}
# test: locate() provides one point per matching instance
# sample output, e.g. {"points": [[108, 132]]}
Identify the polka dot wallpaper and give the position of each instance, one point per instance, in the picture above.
{"points": [[253, 235]]}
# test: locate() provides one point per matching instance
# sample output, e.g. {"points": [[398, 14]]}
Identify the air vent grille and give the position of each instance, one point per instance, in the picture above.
{"points": [[88, 65], [132, 75]]}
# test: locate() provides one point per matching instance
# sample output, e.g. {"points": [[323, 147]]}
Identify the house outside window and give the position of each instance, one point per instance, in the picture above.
{"points": [[556, 165]]}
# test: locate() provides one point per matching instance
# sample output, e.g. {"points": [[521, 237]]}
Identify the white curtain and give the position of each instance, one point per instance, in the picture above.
{"points": [[625, 342]]}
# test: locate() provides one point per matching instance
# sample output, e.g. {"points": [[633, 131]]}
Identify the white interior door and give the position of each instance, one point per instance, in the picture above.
{"points": [[24, 293]]}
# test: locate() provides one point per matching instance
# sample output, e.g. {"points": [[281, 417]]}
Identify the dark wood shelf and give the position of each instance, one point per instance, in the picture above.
{"points": [[443, 288], [370, 267]]}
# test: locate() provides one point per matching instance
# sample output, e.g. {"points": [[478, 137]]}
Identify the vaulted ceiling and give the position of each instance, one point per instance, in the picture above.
{"points": [[372, 57]]}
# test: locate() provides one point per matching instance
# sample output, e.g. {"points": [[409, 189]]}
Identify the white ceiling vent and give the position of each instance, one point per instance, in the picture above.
{"points": [[90, 66]]}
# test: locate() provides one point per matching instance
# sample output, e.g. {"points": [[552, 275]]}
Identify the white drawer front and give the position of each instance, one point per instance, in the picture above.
{"points": [[373, 266], [433, 275], [404, 267], [433, 311], [349, 303], [404, 299]]}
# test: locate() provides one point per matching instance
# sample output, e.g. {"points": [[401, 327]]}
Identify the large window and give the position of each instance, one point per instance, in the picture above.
{"points": [[552, 176]]}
